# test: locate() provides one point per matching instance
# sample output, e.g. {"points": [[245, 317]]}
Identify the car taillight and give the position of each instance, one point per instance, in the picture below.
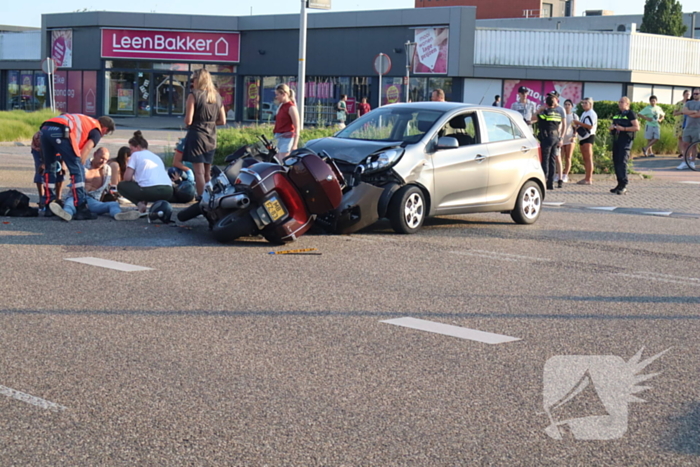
{"points": [[539, 152]]}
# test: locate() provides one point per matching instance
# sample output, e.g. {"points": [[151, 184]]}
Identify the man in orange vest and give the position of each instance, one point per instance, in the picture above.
{"points": [[72, 136]]}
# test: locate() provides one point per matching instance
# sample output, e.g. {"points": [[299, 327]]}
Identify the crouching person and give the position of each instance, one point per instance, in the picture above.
{"points": [[97, 179], [145, 178]]}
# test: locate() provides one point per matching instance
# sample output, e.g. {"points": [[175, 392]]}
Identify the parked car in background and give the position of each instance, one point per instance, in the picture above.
{"points": [[268, 112], [418, 160]]}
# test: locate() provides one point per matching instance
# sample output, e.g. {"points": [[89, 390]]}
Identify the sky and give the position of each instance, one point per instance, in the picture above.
{"points": [[17, 13]]}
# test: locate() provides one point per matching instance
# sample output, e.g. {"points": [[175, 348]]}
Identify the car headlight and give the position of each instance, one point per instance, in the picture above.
{"points": [[382, 160]]}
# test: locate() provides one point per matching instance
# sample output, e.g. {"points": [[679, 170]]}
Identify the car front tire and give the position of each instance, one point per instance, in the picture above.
{"points": [[407, 210], [529, 204]]}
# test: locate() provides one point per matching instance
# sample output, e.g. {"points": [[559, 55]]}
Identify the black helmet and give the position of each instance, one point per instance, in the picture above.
{"points": [[160, 211], [183, 192]]}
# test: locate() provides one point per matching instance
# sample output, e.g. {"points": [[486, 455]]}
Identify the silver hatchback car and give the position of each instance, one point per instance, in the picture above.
{"points": [[439, 158]]}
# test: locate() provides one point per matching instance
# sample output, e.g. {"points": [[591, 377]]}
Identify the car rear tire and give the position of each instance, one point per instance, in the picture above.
{"points": [[529, 204], [235, 225], [407, 210]]}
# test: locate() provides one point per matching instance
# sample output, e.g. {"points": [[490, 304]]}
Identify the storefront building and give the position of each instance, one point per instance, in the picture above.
{"points": [[135, 65]]}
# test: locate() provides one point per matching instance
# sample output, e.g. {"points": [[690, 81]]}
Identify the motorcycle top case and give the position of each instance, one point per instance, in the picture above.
{"points": [[317, 183]]}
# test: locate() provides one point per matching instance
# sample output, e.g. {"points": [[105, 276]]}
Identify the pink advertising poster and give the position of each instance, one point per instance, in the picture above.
{"points": [[74, 91], [60, 86], [431, 51], [90, 93], [351, 103], [539, 89], [62, 47]]}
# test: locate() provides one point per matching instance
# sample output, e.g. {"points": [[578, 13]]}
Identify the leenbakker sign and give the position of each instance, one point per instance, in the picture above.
{"points": [[171, 45]]}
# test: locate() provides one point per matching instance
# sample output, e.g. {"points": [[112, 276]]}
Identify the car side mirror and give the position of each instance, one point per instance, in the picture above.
{"points": [[447, 142]]}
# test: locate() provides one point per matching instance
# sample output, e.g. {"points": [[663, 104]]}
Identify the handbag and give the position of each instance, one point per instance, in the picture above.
{"points": [[582, 132]]}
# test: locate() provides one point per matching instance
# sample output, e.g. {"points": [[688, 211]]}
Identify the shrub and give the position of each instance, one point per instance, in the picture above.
{"points": [[608, 109], [18, 125], [230, 139]]}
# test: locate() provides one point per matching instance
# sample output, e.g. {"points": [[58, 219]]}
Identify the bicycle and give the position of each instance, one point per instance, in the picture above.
{"points": [[690, 156]]}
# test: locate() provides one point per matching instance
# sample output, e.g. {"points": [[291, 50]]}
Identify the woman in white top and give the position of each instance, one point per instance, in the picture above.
{"points": [[586, 127], [568, 141], [145, 178]]}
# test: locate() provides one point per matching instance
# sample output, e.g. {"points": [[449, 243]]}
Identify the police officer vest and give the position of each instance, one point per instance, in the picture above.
{"points": [[80, 127], [623, 119], [548, 122]]}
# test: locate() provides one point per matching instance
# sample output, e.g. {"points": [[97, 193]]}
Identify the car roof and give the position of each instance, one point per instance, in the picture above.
{"points": [[441, 106]]}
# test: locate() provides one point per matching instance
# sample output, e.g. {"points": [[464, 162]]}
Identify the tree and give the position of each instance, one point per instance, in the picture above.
{"points": [[663, 17]]}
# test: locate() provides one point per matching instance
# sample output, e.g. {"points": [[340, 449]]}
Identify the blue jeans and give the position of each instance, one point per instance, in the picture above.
{"points": [[96, 207], [53, 142]]}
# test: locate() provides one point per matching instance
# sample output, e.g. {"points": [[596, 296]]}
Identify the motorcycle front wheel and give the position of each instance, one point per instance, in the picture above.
{"points": [[235, 225]]}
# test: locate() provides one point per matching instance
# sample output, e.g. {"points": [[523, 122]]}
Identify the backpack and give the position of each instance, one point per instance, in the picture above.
{"points": [[16, 204]]}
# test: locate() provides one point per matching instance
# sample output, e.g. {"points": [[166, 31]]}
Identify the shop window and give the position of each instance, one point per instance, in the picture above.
{"points": [[13, 100]]}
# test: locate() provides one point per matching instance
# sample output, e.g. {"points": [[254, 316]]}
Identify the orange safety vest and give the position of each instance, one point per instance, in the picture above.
{"points": [[80, 127]]}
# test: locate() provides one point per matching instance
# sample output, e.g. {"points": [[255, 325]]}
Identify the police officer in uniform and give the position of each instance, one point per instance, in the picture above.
{"points": [[549, 126], [72, 136], [623, 128]]}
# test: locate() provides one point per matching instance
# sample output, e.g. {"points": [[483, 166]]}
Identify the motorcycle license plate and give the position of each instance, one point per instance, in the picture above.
{"points": [[274, 209]]}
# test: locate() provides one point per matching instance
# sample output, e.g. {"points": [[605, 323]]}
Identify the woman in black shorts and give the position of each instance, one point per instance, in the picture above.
{"points": [[586, 128], [203, 113]]}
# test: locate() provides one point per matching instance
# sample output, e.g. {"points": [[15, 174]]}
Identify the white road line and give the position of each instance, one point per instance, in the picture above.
{"points": [[694, 183], [496, 255], [106, 263], [29, 399], [449, 330], [666, 276], [553, 203], [661, 278], [608, 208], [659, 213]]}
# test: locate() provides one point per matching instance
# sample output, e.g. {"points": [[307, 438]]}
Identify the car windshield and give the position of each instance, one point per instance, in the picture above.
{"points": [[403, 124]]}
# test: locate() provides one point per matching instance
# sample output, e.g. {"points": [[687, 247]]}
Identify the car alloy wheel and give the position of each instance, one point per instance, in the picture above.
{"points": [[529, 204], [413, 211], [407, 210]]}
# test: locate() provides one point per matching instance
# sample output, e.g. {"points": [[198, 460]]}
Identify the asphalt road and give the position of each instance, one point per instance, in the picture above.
{"points": [[228, 355]]}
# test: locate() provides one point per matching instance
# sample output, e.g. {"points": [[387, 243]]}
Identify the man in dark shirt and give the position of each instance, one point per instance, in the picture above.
{"points": [[623, 128], [496, 101]]}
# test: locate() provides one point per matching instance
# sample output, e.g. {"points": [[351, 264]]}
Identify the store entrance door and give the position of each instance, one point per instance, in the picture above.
{"points": [[169, 94]]}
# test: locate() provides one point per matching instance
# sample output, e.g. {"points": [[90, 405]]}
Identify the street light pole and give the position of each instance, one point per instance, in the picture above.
{"points": [[410, 50], [301, 81]]}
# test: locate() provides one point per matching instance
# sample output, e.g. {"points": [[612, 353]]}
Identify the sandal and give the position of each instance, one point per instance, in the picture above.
{"points": [[584, 182]]}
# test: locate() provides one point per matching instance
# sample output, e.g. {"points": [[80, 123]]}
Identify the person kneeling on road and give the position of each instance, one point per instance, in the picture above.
{"points": [[97, 179], [145, 178], [72, 137]]}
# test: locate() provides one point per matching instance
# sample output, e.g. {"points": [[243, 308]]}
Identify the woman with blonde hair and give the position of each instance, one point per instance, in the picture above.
{"points": [[287, 121], [203, 112], [586, 127]]}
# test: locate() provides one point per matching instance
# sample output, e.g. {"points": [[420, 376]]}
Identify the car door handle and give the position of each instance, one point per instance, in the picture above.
{"points": [[525, 149], [480, 157]]}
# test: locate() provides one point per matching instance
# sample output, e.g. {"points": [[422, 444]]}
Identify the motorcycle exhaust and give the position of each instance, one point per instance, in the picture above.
{"points": [[237, 201]]}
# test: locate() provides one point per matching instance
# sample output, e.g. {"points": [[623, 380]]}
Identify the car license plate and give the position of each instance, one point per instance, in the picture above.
{"points": [[274, 208]]}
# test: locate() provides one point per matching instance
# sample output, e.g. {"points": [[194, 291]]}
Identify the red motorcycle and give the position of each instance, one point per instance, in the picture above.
{"points": [[278, 201]]}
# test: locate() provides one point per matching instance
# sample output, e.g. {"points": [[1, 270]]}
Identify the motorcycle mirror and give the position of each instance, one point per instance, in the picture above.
{"points": [[357, 176]]}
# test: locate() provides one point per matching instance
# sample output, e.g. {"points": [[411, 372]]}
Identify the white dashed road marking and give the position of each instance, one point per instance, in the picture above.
{"points": [[496, 255], [694, 183], [659, 213], [553, 203], [653, 276], [106, 263], [609, 208], [449, 330], [29, 399]]}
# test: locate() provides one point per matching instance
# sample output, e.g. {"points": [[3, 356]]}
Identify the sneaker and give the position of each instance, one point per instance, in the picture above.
{"points": [[57, 210], [556, 178], [127, 216], [614, 190], [550, 186], [692, 165], [683, 166], [560, 183], [651, 154], [621, 191], [565, 179]]}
